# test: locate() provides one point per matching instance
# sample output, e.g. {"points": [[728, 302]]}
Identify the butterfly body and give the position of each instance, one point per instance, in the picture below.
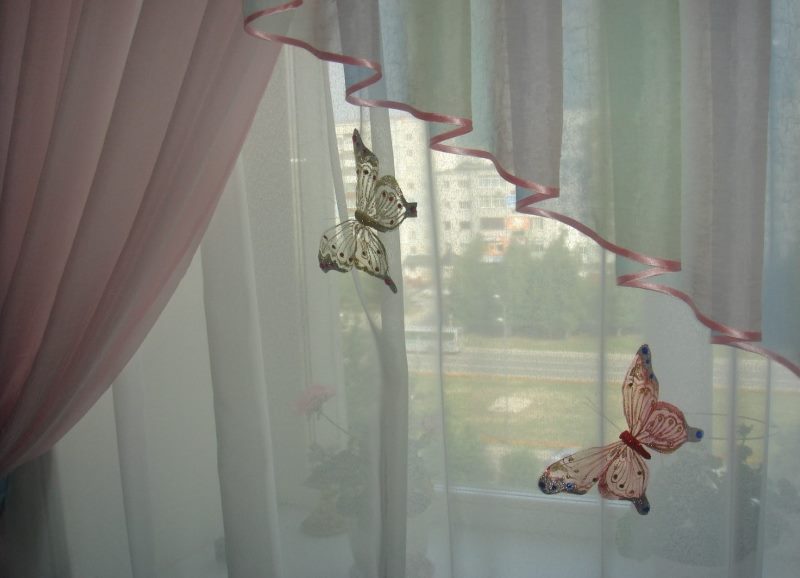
{"points": [[619, 469], [629, 440], [380, 206]]}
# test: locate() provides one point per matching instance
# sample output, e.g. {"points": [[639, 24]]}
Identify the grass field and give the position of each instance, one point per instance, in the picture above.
{"points": [[504, 431], [626, 344]]}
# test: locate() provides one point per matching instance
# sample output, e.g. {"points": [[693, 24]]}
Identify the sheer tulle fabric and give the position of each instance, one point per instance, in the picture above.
{"points": [[119, 126], [683, 100], [642, 124]]}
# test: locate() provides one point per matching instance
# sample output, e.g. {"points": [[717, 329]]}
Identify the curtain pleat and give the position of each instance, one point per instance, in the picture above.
{"points": [[780, 318], [245, 456]]}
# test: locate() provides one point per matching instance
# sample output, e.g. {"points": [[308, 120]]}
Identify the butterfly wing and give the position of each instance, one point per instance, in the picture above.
{"points": [[639, 389], [366, 171], [337, 248], [666, 429], [380, 200], [657, 424], [370, 255], [625, 478], [387, 207], [578, 472]]}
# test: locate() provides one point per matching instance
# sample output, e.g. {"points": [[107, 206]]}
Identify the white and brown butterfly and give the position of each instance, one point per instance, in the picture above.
{"points": [[619, 469], [380, 206]]}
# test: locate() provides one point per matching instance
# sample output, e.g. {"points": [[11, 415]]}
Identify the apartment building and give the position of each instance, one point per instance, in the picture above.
{"points": [[472, 199]]}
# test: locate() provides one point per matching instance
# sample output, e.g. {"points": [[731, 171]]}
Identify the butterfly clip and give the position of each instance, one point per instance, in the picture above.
{"points": [[619, 469], [380, 206]]}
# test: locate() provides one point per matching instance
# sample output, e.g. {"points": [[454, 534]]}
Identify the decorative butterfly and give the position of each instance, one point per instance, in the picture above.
{"points": [[380, 206], [619, 469]]}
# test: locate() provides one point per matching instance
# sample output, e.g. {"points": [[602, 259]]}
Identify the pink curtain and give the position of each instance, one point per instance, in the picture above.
{"points": [[119, 125]]}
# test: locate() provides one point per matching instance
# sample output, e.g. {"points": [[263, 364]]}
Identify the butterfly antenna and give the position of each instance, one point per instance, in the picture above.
{"points": [[596, 409]]}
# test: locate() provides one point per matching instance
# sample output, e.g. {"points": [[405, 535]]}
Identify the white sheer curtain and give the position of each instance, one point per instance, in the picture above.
{"points": [[423, 462]]}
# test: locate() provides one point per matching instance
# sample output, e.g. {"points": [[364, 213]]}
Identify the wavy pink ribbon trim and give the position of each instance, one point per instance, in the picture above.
{"points": [[731, 336]]}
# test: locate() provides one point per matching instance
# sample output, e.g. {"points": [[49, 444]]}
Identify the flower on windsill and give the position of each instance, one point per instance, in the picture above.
{"points": [[312, 399]]}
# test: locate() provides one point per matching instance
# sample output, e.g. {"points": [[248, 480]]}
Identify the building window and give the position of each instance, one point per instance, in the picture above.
{"points": [[463, 204], [448, 225], [492, 223], [465, 225]]}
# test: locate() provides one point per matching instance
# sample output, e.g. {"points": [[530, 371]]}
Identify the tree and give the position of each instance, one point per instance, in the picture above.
{"points": [[514, 293], [472, 287], [557, 288]]}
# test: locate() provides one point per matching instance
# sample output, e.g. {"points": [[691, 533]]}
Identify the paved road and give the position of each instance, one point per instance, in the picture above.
{"points": [[573, 366]]}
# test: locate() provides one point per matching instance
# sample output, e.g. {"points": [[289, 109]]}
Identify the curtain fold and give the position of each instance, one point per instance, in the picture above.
{"points": [[245, 458], [782, 242], [641, 124], [120, 126]]}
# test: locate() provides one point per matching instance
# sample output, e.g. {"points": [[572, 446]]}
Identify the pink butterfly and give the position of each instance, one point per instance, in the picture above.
{"points": [[619, 469]]}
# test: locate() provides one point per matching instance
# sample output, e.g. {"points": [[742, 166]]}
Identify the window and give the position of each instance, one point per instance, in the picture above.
{"points": [[464, 204], [465, 225]]}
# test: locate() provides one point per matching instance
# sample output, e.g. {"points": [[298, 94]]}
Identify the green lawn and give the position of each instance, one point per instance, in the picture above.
{"points": [[488, 444], [627, 344]]}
